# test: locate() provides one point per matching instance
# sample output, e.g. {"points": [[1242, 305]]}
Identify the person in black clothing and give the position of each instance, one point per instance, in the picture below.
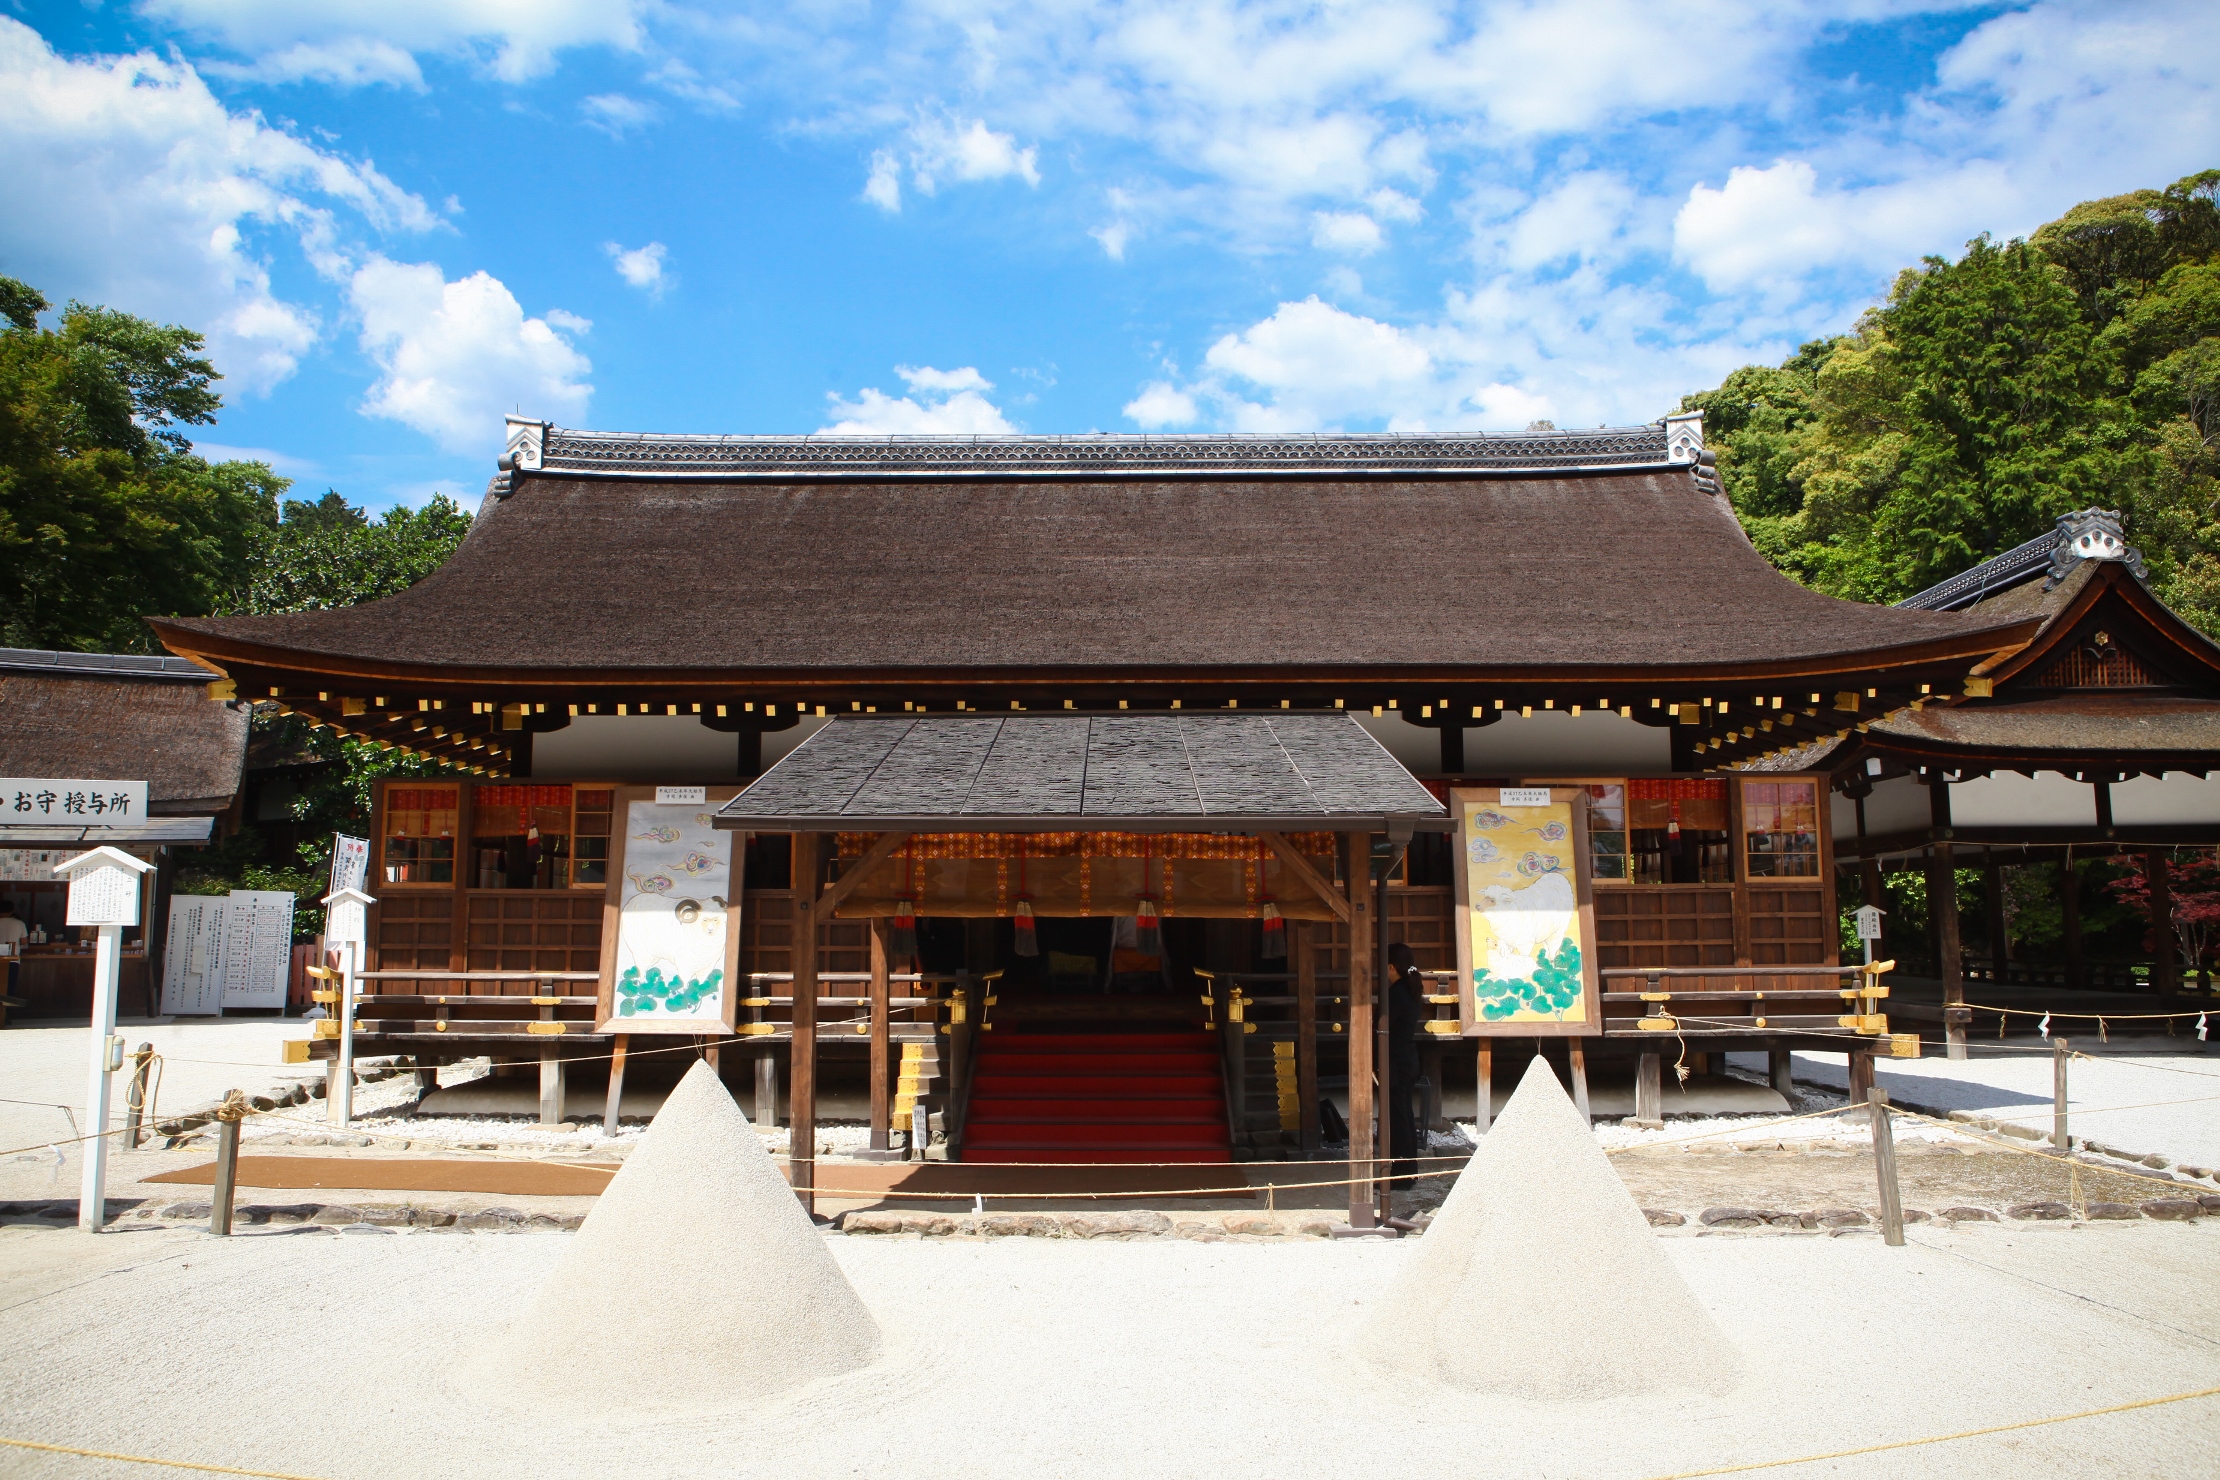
{"points": [[1406, 1013]]}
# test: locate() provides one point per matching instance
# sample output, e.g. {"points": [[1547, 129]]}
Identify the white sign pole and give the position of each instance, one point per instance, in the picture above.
{"points": [[92, 1197], [340, 1105]]}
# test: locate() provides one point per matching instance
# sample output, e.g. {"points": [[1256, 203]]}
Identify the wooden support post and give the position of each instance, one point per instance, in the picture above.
{"points": [[964, 1017], [1861, 1075], [1992, 918], [2069, 902], [1357, 879], [1579, 1054], [1649, 1089], [1391, 1100], [551, 1087], [1429, 1114], [616, 1083], [767, 1088], [709, 1054], [1306, 1035], [1884, 1167], [2159, 874], [1782, 1063], [134, 1098], [1942, 904], [1233, 1029], [427, 1077], [227, 1176], [2059, 1052], [801, 1073], [882, 1091], [1483, 1097]]}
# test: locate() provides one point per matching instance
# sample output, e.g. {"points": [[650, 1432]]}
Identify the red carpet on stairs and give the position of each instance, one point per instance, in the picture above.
{"points": [[1097, 1097]]}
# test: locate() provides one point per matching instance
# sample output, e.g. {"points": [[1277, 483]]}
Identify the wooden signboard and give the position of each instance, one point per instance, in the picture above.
{"points": [[1525, 925], [670, 929]]}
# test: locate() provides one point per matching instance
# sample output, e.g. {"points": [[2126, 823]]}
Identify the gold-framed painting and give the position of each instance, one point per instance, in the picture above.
{"points": [[670, 923], [1525, 917]]}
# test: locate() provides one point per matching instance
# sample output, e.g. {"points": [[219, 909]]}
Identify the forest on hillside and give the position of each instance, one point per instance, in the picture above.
{"points": [[1988, 395]]}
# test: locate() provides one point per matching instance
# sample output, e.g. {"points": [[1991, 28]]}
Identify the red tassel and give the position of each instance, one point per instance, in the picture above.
{"points": [[1148, 936], [1275, 933], [1028, 944]]}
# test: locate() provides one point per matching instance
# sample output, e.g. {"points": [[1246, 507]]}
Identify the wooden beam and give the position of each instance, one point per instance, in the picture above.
{"points": [[1357, 871], [801, 1081], [882, 1093], [851, 876], [1306, 1034], [1307, 873]]}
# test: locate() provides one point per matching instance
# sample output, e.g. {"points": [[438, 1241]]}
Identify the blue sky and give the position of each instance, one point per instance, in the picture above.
{"points": [[397, 219]]}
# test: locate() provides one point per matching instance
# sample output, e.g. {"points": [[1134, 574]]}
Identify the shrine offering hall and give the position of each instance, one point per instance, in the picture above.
{"points": [[1057, 799]]}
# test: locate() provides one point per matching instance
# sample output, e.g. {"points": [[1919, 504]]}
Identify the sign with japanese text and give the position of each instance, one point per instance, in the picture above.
{"points": [[49, 801]]}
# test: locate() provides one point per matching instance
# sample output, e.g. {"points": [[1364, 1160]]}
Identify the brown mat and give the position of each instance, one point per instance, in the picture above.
{"points": [[408, 1174], [865, 1180]]}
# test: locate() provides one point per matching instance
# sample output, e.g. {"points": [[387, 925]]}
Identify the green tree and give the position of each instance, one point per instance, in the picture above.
{"points": [[329, 553], [105, 513], [1992, 393]]}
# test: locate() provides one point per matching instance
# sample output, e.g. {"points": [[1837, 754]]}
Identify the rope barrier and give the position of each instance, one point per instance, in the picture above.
{"points": [[2002, 1428], [148, 1459]]}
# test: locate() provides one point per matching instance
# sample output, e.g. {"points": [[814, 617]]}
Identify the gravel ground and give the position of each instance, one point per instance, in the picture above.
{"points": [[2176, 1089], [1029, 1357], [44, 1069]]}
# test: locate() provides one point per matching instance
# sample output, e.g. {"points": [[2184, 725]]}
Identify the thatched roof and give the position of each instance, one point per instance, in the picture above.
{"points": [[125, 717], [735, 561]]}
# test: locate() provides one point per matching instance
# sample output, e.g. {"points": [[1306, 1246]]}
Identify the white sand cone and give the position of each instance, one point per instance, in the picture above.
{"points": [[697, 1280], [1540, 1278]]}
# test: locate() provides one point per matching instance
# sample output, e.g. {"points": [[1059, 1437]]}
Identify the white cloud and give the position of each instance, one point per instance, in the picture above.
{"points": [[129, 184], [1351, 232], [884, 188], [350, 61], [940, 403], [511, 40], [455, 356], [1162, 404], [615, 114], [642, 267]]}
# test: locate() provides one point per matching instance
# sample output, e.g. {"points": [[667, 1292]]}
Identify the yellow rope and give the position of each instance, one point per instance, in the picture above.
{"points": [[2002, 1428], [143, 1459]]}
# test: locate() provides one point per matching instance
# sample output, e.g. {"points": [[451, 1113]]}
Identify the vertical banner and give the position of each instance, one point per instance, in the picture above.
{"points": [[193, 956], [670, 938], [1526, 952], [258, 947], [350, 863]]}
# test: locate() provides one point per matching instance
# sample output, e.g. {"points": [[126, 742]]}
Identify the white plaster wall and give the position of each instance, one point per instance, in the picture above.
{"points": [[2175, 797], [2045, 799], [637, 747], [1554, 743], [1898, 804]]}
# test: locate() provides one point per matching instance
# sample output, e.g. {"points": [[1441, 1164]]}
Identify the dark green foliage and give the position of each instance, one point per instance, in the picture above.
{"points": [[328, 554], [1991, 394]]}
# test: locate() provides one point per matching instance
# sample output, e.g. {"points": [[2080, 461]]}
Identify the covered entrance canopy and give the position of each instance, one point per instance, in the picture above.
{"points": [[1237, 790]]}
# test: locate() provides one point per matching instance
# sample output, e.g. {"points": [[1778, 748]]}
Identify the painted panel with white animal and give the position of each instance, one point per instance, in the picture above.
{"points": [[1526, 956], [671, 949]]}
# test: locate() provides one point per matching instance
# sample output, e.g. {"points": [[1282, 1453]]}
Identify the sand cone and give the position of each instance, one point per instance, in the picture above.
{"points": [[697, 1280], [1540, 1278]]}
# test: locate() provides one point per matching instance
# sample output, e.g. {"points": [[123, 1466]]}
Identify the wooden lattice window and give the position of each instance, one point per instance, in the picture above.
{"points": [[2097, 664], [1665, 927]]}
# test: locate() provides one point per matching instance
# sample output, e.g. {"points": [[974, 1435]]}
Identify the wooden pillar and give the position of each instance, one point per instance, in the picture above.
{"points": [[1992, 917], [551, 1087], [882, 1092], [1782, 1063], [2164, 969], [1391, 1098], [1942, 904], [1861, 1075], [2103, 796], [2069, 904], [1578, 1053], [1304, 946], [1356, 852], [1452, 750], [801, 1072], [1649, 1089], [1484, 1087], [767, 1087], [615, 1103]]}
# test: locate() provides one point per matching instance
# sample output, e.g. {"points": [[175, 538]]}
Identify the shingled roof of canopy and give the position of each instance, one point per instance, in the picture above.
{"points": [[603, 557]]}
